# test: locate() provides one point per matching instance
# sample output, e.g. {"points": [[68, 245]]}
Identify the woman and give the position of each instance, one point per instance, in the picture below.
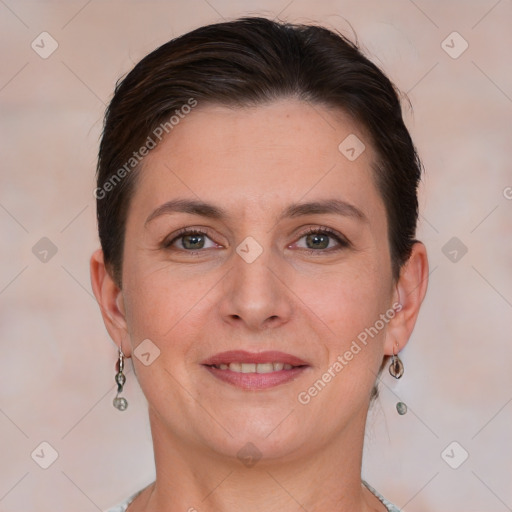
{"points": [[257, 207]]}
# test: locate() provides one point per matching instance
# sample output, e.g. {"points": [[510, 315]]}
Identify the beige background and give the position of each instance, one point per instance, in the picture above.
{"points": [[57, 361]]}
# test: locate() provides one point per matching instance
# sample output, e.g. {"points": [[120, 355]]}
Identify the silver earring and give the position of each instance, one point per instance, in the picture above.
{"points": [[396, 369], [120, 402]]}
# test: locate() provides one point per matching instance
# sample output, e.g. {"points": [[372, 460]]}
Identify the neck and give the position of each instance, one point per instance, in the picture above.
{"points": [[192, 478]]}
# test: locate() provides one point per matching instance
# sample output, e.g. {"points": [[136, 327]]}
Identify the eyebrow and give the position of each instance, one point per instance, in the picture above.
{"points": [[197, 207]]}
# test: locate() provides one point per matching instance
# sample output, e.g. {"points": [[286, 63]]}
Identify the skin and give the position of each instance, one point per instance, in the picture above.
{"points": [[254, 162]]}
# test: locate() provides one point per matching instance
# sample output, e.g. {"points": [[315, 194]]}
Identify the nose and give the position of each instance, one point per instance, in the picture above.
{"points": [[255, 294]]}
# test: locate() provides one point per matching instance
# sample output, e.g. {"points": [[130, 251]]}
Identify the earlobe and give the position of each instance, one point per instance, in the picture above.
{"points": [[411, 289], [110, 300]]}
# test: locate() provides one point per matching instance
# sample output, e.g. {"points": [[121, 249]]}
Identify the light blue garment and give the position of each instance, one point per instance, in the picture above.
{"points": [[123, 506], [384, 501], [391, 508]]}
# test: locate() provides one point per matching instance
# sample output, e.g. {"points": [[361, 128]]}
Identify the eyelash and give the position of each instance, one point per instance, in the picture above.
{"points": [[343, 242]]}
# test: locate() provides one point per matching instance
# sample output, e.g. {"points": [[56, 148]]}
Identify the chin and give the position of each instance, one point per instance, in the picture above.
{"points": [[261, 434]]}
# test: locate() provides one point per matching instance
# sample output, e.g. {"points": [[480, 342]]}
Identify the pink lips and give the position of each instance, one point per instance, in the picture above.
{"points": [[241, 356], [254, 381]]}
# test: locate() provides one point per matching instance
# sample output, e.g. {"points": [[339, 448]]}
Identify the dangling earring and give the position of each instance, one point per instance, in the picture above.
{"points": [[119, 401], [396, 369]]}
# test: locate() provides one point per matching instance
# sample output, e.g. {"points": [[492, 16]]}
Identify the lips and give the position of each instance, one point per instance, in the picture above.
{"points": [[255, 370], [241, 356]]}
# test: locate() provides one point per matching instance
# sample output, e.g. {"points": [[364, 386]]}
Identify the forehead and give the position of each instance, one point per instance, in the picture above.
{"points": [[261, 158]]}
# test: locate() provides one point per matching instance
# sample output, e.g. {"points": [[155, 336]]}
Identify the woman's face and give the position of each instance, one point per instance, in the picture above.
{"points": [[259, 271]]}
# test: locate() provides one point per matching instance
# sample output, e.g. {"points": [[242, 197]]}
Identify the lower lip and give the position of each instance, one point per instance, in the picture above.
{"points": [[256, 380]]}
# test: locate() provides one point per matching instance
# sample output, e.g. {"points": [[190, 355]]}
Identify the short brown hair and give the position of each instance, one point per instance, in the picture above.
{"points": [[250, 61]]}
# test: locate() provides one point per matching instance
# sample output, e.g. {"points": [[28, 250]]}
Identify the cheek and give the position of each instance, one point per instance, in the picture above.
{"points": [[147, 298], [348, 311], [165, 306], [350, 299]]}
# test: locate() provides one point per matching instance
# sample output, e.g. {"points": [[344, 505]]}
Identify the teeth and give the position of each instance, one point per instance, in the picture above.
{"points": [[264, 368], [254, 368]]}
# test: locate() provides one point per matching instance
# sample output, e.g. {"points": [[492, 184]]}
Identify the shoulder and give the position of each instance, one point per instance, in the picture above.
{"points": [[384, 501]]}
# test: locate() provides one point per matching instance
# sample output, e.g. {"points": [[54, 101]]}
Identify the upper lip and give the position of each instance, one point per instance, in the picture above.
{"points": [[241, 356]]}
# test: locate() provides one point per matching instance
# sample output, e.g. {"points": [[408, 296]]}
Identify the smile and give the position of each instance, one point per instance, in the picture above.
{"points": [[254, 370], [253, 367]]}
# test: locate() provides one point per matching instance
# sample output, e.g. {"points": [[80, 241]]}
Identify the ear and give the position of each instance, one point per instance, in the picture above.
{"points": [[110, 300], [410, 292]]}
